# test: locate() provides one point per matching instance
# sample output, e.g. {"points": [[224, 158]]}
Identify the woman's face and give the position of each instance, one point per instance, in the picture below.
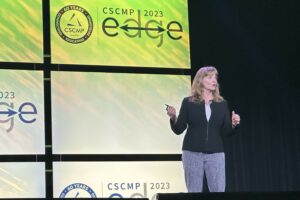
{"points": [[210, 82]]}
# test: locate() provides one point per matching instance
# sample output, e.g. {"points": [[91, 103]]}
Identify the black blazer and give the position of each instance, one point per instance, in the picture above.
{"points": [[202, 135]]}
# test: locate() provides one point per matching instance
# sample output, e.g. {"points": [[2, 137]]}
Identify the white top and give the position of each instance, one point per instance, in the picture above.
{"points": [[207, 111]]}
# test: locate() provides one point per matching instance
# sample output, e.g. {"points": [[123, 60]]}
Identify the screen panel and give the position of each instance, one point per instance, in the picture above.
{"points": [[121, 33], [117, 179], [115, 113], [21, 35], [21, 112], [22, 180]]}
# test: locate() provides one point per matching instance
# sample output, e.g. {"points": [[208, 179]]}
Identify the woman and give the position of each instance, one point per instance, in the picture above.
{"points": [[206, 116]]}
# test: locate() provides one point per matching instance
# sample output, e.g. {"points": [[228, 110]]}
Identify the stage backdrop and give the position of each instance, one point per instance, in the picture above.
{"points": [[117, 179], [21, 35], [22, 180], [123, 33], [21, 112], [115, 113]]}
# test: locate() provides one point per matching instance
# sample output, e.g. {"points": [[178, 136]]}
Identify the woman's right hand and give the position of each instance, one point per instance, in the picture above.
{"points": [[171, 111]]}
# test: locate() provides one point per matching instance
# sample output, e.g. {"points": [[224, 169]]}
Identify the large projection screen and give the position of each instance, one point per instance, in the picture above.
{"points": [[21, 35], [120, 33], [117, 179], [22, 112], [22, 180], [115, 113]]}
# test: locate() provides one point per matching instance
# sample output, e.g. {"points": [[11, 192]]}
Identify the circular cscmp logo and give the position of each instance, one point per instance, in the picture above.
{"points": [[77, 190], [74, 24]]}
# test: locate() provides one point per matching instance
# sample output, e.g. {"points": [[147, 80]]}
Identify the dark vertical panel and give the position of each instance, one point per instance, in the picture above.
{"points": [[255, 46], [47, 99]]}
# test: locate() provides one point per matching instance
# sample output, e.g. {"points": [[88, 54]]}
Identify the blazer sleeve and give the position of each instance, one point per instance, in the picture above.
{"points": [[180, 124], [227, 124]]}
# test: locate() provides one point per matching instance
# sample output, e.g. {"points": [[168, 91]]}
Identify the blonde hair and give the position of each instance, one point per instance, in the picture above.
{"points": [[197, 86]]}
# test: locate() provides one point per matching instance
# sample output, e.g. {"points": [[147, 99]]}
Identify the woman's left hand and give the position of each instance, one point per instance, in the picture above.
{"points": [[235, 118]]}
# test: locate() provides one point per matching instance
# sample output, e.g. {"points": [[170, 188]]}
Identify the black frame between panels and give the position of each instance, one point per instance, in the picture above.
{"points": [[47, 67]]}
